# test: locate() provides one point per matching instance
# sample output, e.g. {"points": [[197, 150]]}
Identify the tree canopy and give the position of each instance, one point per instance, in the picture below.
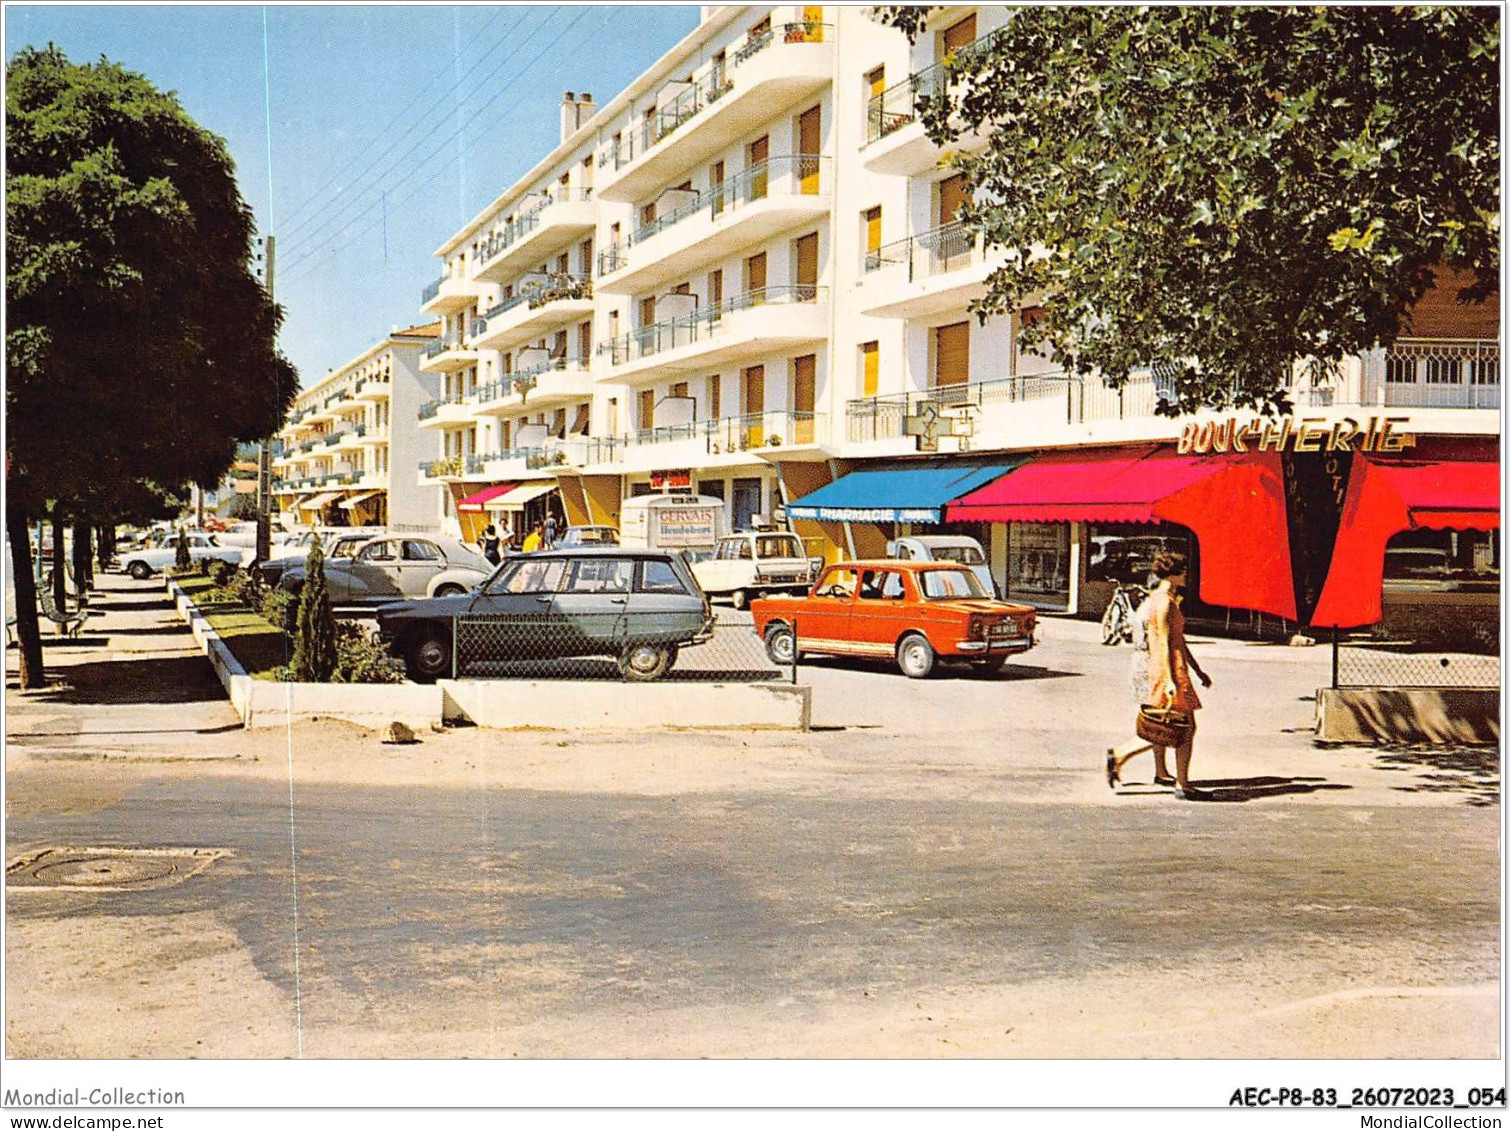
{"points": [[140, 343], [1225, 192]]}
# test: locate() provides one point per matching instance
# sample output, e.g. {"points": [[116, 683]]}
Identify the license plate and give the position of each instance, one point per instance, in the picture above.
{"points": [[1007, 628]]}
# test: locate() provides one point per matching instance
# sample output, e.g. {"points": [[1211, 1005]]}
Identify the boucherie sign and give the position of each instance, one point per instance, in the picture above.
{"points": [[1296, 434]]}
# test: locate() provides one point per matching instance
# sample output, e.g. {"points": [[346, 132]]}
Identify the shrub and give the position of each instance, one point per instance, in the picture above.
{"points": [[314, 658], [221, 572], [278, 608], [361, 659]]}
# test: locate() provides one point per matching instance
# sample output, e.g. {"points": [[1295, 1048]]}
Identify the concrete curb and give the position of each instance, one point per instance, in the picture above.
{"points": [[262, 703]]}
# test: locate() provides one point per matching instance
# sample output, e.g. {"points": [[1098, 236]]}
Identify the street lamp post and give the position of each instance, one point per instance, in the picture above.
{"points": [[265, 451]]}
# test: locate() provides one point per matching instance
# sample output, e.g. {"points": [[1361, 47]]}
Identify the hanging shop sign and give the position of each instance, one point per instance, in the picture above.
{"points": [[680, 480], [928, 422], [1296, 434]]}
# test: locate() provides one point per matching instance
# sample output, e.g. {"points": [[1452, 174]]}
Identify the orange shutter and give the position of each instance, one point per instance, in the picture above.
{"points": [[873, 228], [714, 399], [804, 395], [756, 154], [755, 406], [716, 288], [870, 368], [952, 194], [580, 421], [809, 146], [807, 266], [952, 354], [648, 311], [876, 81], [584, 341], [647, 409], [679, 389]]}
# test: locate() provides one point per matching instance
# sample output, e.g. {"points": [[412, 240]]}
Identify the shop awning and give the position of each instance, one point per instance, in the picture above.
{"points": [[901, 493], [516, 499], [320, 501], [1386, 497], [358, 499], [475, 501]]}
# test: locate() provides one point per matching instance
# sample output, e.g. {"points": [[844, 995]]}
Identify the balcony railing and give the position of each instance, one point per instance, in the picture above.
{"points": [[537, 289], [1085, 398], [900, 104], [707, 86], [526, 222], [432, 289], [451, 340], [1439, 373], [807, 171], [935, 252], [442, 468], [693, 327]]}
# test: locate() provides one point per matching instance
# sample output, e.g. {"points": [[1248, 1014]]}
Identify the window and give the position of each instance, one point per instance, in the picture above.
{"points": [[870, 368], [599, 575], [659, 577], [647, 403], [876, 81], [958, 35], [839, 583], [871, 227], [880, 585], [530, 576], [714, 384], [944, 584], [415, 551], [952, 355], [778, 546], [379, 552], [1458, 561]]}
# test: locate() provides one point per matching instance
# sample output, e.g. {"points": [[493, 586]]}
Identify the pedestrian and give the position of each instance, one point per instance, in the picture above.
{"points": [[1138, 680], [1171, 664], [549, 536], [533, 540], [489, 541]]}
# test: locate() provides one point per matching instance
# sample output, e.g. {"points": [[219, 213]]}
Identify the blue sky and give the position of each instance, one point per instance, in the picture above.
{"points": [[391, 126]]}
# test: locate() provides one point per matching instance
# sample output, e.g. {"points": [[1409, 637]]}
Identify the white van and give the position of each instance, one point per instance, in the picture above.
{"points": [[690, 523]]}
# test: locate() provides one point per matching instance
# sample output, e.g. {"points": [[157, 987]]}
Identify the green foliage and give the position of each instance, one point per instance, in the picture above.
{"points": [[181, 559], [314, 659], [279, 607], [243, 508], [123, 216], [1225, 192], [221, 572], [360, 659]]}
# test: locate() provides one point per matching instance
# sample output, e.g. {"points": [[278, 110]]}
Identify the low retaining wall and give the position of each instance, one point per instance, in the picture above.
{"points": [[667, 704], [1409, 714], [264, 703]]}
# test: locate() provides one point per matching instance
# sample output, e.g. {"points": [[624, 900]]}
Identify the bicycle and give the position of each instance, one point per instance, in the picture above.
{"points": [[1117, 621]]}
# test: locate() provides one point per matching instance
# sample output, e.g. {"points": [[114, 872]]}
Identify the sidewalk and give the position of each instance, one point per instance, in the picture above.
{"points": [[133, 682]]}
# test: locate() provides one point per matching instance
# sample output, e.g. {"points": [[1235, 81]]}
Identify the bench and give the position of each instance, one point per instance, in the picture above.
{"points": [[70, 624]]}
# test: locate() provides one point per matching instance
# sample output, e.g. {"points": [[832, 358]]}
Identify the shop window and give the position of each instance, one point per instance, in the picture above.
{"points": [[1443, 561], [1123, 552], [1038, 563]]}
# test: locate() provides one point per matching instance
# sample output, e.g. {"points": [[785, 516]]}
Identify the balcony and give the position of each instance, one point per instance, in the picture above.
{"points": [[763, 76], [559, 219], [439, 470], [373, 388], [450, 410], [549, 384], [1429, 373], [448, 294], [544, 301], [895, 139], [447, 353], [729, 441], [756, 324], [374, 437], [768, 198], [929, 273]]}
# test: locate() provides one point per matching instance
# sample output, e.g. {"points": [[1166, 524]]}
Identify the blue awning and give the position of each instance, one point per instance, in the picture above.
{"points": [[909, 492]]}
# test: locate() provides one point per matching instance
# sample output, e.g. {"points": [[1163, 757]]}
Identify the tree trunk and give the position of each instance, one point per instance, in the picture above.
{"points": [[83, 574], [28, 634], [59, 570], [104, 535]]}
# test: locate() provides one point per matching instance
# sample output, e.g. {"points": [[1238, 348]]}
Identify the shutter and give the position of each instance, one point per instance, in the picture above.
{"points": [[716, 288], [755, 406], [807, 267], [804, 379], [714, 389], [756, 154], [952, 354], [873, 228], [716, 186], [584, 342], [870, 368], [648, 311], [809, 146], [876, 81], [755, 273], [647, 409], [952, 194], [559, 424], [679, 389], [580, 421], [959, 35]]}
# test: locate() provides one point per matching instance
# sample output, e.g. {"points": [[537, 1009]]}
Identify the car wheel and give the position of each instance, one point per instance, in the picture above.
{"points": [[915, 657], [641, 662], [449, 590], [139, 570], [430, 657], [781, 645], [990, 666], [740, 600]]}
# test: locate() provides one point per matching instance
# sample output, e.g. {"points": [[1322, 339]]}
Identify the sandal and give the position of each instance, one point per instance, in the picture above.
{"points": [[1189, 794], [1112, 771], [1164, 779]]}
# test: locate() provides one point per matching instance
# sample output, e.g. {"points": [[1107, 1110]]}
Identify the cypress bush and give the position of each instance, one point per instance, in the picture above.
{"points": [[181, 559], [314, 657]]}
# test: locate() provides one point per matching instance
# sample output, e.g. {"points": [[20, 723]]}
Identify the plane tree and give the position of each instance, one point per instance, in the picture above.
{"points": [[140, 346], [1231, 194]]}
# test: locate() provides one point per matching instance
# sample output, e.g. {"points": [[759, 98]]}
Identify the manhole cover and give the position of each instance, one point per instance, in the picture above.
{"points": [[107, 869]]}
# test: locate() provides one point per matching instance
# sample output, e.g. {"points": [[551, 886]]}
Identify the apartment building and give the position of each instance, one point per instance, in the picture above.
{"points": [[743, 276], [346, 435]]}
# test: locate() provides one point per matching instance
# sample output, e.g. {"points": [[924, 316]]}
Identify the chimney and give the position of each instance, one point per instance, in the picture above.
{"points": [[568, 115], [585, 109]]}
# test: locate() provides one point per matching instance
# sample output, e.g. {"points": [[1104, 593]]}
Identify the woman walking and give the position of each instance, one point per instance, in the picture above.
{"points": [[1171, 663], [1138, 680]]}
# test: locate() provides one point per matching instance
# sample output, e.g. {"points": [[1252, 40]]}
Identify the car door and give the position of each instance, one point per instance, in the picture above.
{"points": [[373, 575], [512, 618], [589, 609], [420, 560], [662, 608], [823, 622], [881, 611]]}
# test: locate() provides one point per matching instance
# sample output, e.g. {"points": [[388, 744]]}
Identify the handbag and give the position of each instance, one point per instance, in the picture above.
{"points": [[1163, 726]]}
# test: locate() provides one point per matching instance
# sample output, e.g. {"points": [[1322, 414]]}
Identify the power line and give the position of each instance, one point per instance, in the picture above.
{"points": [[317, 195], [341, 207], [415, 169]]}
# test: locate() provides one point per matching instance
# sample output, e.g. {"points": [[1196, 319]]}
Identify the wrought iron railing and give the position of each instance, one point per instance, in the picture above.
{"points": [[526, 222], [451, 340], [899, 104], [1437, 373], [946, 248], [693, 327], [807, 173], [442, 468]]}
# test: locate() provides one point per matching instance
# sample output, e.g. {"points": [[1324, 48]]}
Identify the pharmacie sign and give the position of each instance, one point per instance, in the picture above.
{"points": [[1296, 434]]}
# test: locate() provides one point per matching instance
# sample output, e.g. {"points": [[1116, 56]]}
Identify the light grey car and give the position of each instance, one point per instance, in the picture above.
{"points": [[395, 566]]}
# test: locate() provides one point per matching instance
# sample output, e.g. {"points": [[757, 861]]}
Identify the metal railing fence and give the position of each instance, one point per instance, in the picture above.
{"points": [[694, 327], [900, 104]]}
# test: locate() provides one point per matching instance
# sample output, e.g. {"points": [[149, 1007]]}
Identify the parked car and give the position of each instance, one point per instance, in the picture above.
{"points": [[142, 564], [381, 569], [587, 536], [340, 543], [637, 606], [916, 613], [958, 548], [755, 563]]}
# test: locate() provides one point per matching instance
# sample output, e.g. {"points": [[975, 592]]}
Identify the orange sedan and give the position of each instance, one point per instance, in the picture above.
{"points": [[916, 613]]}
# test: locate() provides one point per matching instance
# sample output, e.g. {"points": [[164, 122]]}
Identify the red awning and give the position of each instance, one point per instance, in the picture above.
{"points": [[474, 503], [1386, 497]]}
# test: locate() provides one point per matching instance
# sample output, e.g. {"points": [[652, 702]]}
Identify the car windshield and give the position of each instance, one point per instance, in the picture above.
{"points": [[943, 584], [778, 546], [965, 555]]}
